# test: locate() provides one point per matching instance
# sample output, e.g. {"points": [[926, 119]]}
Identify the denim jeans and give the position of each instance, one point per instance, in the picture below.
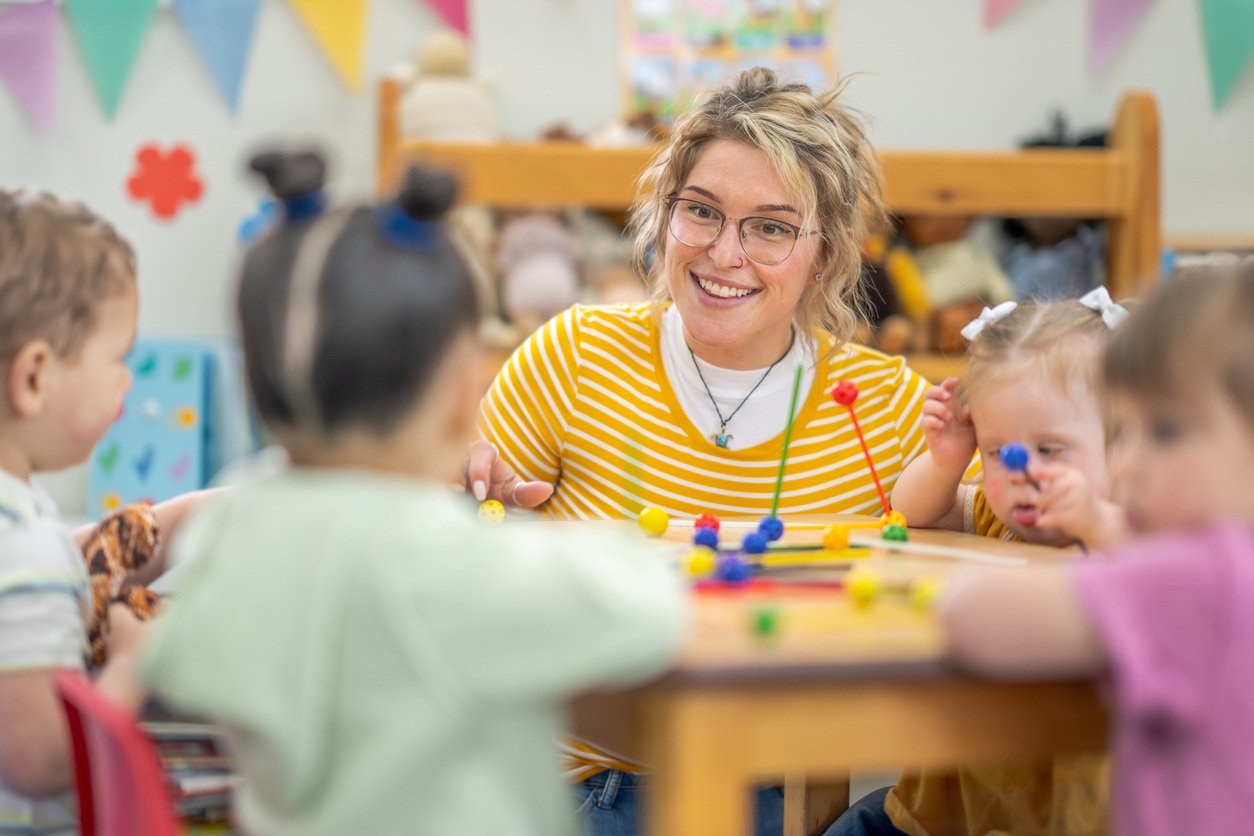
{"points": [[610, 805], [865, 818]]}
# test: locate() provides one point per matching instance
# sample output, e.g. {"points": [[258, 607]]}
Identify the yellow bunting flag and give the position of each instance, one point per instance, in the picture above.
{"points": [[339, 27]]}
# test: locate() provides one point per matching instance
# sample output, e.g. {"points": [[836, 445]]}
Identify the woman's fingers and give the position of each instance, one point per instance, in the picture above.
{"points": [[479, 468], [488, 476], [531, 494]]}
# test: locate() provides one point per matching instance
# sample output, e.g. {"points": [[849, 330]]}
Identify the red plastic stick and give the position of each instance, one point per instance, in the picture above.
{"points": [[845, 393]]}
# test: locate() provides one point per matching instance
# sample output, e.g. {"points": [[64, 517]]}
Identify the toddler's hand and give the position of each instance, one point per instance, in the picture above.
{"points": [[947, 426], [1068, 502]]}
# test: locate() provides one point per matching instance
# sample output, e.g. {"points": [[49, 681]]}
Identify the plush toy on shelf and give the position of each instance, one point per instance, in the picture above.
{"points": [[959, 271], [443, 100], [538, 256]]}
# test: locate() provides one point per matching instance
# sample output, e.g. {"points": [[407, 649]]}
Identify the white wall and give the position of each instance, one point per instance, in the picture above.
{"points": [[929, 76]]}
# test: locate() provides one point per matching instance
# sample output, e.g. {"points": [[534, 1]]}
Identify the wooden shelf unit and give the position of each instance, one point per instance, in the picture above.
{"points": [[1119, 183]]}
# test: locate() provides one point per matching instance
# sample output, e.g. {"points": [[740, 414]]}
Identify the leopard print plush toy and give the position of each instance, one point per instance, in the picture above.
{"points": [[120, 544]]}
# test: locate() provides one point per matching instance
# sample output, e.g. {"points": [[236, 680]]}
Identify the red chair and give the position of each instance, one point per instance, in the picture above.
{"points": [[121, 788]]}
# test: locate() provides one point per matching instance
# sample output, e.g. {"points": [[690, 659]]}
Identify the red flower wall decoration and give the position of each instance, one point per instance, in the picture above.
{"points": [[165, 179]]}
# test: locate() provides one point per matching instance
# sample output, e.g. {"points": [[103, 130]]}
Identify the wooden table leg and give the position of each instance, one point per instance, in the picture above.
{"points": [[810, 806], [697, 785]]}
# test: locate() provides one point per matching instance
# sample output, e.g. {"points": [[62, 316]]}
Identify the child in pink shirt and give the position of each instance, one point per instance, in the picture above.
{"points": [[1168, 621]]}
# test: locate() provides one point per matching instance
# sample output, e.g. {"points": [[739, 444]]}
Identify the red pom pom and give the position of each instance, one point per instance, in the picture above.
{"points": [[705, 521], [845, 392]]}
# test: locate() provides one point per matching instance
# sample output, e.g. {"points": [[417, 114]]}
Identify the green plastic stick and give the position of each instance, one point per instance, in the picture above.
{"points": [[783, 456]]}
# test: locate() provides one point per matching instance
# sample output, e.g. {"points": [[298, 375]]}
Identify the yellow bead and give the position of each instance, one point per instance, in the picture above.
{"points": [[924, 591], [653, 521], [836, 537], [492, 512], [700, 561], [893, 518], [863, 585]]}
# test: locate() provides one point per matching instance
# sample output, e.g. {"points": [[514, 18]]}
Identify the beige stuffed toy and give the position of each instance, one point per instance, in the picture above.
{"points": [[443, 100]]}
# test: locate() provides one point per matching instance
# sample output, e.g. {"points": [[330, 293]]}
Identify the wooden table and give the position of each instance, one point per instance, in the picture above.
{"points": [[836, 688]]}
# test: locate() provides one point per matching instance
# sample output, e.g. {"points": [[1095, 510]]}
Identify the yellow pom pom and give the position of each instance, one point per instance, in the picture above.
{"points": [[863, 585], [925, 591], [700, 561], [893, 518], [492, 512], [653, 521], [836, 537]]}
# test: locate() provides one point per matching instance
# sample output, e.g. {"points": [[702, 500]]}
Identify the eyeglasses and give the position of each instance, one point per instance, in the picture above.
{"points": [[764, 240]]}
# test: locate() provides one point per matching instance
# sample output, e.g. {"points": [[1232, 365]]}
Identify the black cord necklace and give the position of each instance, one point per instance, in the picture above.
{"points": [[722, 437]]}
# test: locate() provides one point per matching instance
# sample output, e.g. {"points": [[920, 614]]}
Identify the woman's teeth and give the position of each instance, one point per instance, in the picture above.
{"points": [[722, 290]]}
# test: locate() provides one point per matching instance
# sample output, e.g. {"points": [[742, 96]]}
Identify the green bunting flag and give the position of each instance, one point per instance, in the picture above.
{"points": [[1228, 26], [109, 33]]}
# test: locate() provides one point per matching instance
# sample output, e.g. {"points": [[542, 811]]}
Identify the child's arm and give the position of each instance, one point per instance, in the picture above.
{"points": [[929, 491], [1067, 502], [34, 744], [34, 740], [169, 516], [1020, 623]]}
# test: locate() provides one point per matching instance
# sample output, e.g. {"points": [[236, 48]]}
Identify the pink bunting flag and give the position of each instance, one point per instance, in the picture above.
{"points": [[1112, 22], [993, 11], [28, 58], [455, 14]]}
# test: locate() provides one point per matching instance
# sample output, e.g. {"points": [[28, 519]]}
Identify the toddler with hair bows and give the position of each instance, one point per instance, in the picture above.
{"points": [[1164, 623], [1032, 381]]}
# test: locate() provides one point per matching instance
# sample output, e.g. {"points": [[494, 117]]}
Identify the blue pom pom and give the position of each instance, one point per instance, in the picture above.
{"points": [[732, 569], [1014, 456], [772, 528], [754, 543], [705, 537]]}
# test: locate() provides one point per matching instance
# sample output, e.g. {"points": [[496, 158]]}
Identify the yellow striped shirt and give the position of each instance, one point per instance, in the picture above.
{"points": [[585, 404]]}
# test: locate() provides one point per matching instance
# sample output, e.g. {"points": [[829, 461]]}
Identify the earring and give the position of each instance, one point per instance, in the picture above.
{"points": [[818, 277]]}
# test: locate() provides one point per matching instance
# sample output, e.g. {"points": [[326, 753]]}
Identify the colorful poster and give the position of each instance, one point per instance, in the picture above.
{"points": [[156, 448], [705, 24], [677, 50], [758, 24], [654, 87], [656, 23], [184, 419]]}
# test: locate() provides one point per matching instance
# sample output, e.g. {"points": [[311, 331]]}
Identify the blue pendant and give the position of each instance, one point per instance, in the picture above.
{"points": [[721, 439]]}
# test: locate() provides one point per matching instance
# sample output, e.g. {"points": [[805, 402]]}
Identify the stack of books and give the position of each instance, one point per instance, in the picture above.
{"points": [[197, 768]]}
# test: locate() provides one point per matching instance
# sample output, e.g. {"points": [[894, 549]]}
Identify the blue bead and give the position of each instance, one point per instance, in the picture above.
{"points": [[772, 528], [732, 569], [705, 537], [754, 543], [1014, 456]]}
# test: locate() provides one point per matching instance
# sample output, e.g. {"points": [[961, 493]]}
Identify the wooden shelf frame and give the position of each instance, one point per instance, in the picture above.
{"points": [[1120, 183]]}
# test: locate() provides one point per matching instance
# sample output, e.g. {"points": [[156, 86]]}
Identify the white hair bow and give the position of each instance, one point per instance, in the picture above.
{"points": [[1098, 299], [987, 317]]}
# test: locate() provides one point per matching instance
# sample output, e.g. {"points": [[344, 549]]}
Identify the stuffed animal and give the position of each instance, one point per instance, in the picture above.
{"points": [[538, 257], [443, 101]]}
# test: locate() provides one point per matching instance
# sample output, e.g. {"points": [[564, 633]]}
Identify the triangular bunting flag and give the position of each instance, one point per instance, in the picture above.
{"points": [[994, 9], [28, 58], [1112, 21], [222, 31], [110, 32], [339, 27], [454, 13], [1228, 26]]}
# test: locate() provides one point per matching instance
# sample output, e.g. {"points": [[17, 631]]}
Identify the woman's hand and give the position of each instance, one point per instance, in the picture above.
{"points": [[947, 426], [490, 477]]}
